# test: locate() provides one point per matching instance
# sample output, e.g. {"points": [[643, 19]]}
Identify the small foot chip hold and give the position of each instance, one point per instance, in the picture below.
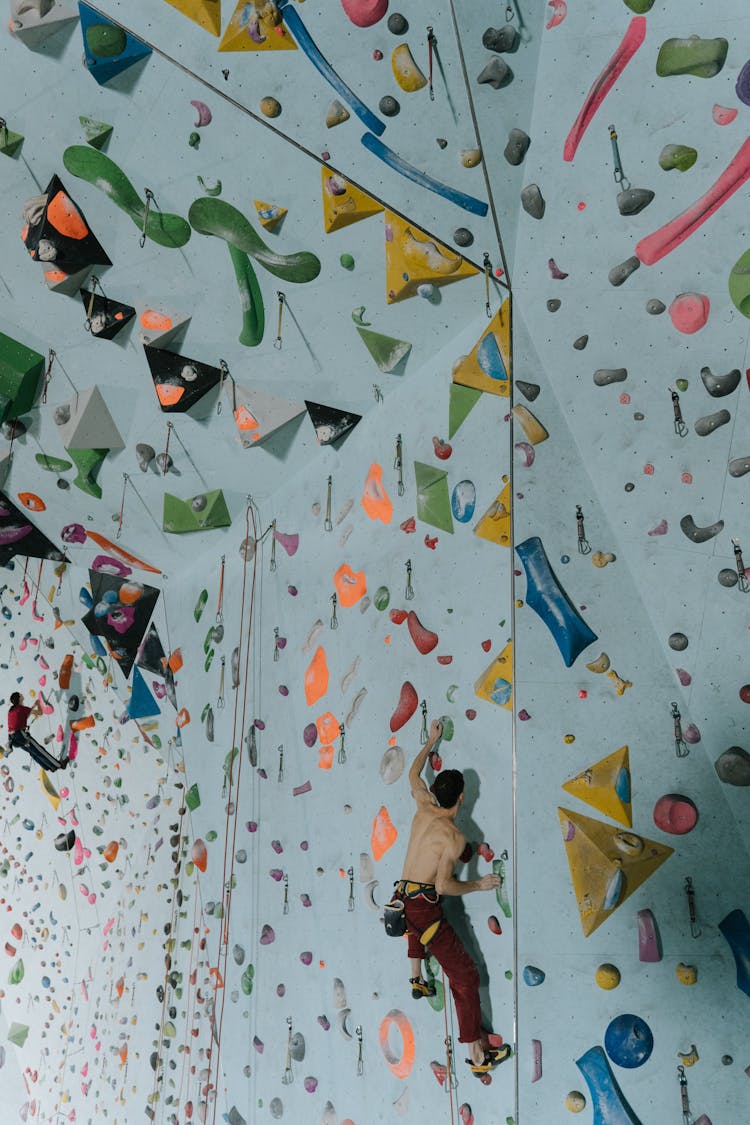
{"points": [[620, 273]]}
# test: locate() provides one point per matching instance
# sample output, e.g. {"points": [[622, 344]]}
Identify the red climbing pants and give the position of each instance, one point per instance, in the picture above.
{"points": [[445, 947]]}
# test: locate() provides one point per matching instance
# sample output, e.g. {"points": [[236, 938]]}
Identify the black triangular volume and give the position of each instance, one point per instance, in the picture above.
{"points": [[18, 536], [179, 382], [151, 656], [107, 317], [48, 242], [122, 622], [331, 423]]}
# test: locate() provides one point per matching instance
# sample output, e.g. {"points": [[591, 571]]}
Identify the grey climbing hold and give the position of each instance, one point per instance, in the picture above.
{"points": [[655, 306], [710, 422], [61, 414], [678, 641], [496, 73], [690, 528], [606, 375], [720, 385], [198, 503], [580, 343], [622, 272], [239, 955], [389, 106], [517, 146], [13, 429], [738, 466], [276, 1108], [553, 304], [297, 1046], [247, 548], [462, 236], [210, 725], [733, 767], [727, 578], [235, 667], [217, 634], [441, 141], [532, 201], [164, 461], [398, 24], [530, 391], [144, 455], [501, 38], [633, 200]]}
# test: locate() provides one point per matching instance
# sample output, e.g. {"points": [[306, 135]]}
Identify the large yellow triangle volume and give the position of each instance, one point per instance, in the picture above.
{"points": [[206, 13], [607, 864], [495, 523], [496, 683], [412, 259], [256, 27], [487, 367], [606, 786], [343, 203]]}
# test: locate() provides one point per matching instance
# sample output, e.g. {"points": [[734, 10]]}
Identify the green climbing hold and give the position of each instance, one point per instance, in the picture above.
{"points": [[211, 836], [246, 980], [640, 7], [462, 401], [194, 139], [703, 58], [381, 598], [681, 384], [193, 798], [498, 868], [93, 166], [52, 464], [680, 157], [448, 728], [200, 513], [20, 372], [16, 974], [347, 261], [739, 284], [221, 219], [10, 142], [200, 605], [97, 133], [88, 462], [105, 41]]}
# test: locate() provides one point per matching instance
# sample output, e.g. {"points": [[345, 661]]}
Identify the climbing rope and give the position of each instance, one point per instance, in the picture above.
{"points": [[448, 1040]]}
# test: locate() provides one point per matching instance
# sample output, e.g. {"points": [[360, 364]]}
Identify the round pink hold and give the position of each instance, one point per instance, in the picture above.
{"points": [[364, 13], [689, 312], [723, 115], [675, 814]]}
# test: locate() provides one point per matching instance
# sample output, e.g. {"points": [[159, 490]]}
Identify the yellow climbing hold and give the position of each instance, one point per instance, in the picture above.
{"points": [[495, 523], [496, 683], [605, 786], [530, 424], [686, 974], [487, 367], [412, 259], [343, 203], [405, 70], [607, 976], [206, 13]]}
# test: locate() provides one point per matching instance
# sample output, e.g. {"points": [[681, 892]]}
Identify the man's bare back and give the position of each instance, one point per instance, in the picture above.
{"points": [[432, 834]]}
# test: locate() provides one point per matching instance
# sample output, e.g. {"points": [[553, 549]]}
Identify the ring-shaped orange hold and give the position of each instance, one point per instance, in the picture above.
{"points": [[399, 1065], [31, 501]]}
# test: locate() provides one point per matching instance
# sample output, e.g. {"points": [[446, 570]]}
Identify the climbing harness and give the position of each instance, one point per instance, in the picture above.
{"points": [[681, 748]]}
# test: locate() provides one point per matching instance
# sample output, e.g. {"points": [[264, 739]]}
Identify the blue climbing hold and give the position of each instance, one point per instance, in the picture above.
{"points": [[489, 358], [463, 501], [629, 1041], [608, 1102]]}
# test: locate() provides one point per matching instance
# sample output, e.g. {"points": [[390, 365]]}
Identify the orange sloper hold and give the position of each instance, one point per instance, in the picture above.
{"points": [[316, 677], [328, 728], [199, 855], [375, 500], [325, 757], [83, 724], [384, 834], [65, 217], [66, 670], [111, 850], [351, 586]]}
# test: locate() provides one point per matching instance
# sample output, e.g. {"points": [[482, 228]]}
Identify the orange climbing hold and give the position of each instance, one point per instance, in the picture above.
{"points": [[399, 1064], [375, 500], [65, 217], [424, 639], [66, 670], [111, 850], [328, 728], [325, 757], [407, 705], [199, 855], [316, 677], [82, 724], [175, 661], [183, 717], [31, 501], [155, 321], [351, 586], [384, 834]]}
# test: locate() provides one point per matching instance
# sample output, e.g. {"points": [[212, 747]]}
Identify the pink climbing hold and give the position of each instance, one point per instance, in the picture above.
{"points": [[424, 639], [689, 312], [723, 115], [267, 936], [684, 677], [649, 942], [661, 528], [365, 13], [676, 814], [555, 272], [407, 705], [631, 41], [290, 543]]}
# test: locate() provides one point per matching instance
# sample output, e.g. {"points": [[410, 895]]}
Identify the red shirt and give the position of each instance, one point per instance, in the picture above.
{"points": [[18, 718]]}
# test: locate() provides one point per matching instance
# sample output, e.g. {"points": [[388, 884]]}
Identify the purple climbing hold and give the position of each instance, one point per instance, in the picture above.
{"points": [[742, 87], [649, 942], [267, 935]]}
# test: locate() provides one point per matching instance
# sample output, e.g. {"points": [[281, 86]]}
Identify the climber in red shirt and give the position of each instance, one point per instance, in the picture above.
{"points": [[19, 737]]}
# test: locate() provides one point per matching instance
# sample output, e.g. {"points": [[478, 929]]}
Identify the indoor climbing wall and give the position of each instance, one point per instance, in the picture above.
{"points": [[255, 374], [629, 524]]}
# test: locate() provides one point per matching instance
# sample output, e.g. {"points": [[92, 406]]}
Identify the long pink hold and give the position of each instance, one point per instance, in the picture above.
{"points": [[631, 41], [663, 241]]}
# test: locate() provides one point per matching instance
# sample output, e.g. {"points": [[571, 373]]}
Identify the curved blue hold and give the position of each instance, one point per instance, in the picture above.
{"points": [[614, 890], [736, 929], [622, 785], [629, 1041], [85, 598], [463, 501], [546, 597], [489, 358], [96, 645], [607, 1099], [398, 164]]}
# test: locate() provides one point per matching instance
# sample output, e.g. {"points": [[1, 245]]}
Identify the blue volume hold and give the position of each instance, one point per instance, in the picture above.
{"points": [[545, 596], [398, 164], [607, 1099], [736, 929]]}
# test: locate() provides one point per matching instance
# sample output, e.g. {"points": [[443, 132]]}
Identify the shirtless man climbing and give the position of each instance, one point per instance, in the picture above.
{"points": [[435, 846]]}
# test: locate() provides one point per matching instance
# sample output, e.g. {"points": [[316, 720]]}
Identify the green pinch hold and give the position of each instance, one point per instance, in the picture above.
{"points": [[88, 462], [17, 973], [703, 58], [682, 385], [679, 157], [194, 139], [448, 728], [247, 980], [98, 169], [381, 598], [52, 464], [739, 284]]}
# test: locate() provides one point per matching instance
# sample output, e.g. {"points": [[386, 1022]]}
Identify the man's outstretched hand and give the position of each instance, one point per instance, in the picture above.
{"points": [[489, 882], [436, 730]]}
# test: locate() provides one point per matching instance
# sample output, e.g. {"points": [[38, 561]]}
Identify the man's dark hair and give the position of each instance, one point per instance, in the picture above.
{"points": [[448, 787], [15, 698]]}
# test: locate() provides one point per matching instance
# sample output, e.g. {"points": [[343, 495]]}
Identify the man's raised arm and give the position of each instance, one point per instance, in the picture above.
{"points": [[416, 781]]}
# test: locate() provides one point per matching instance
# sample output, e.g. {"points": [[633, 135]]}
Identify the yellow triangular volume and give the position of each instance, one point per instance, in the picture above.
{"points": [[607, 864], [269, 214], [206, 13], [495, 523], [256, 27], [412, 259], [606, 786], [49, 789], [496, 684], [487, 367], [344, 204]]}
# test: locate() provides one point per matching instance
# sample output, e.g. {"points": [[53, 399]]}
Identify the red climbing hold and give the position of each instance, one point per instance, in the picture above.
{"points": [[407, 705], [440, 1071], [410, 525], [398, 616], [424, 639], [431, 542]]}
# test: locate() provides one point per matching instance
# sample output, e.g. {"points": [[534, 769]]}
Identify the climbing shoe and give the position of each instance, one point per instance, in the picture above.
{"points": [[420, 988], [492, 1058]]}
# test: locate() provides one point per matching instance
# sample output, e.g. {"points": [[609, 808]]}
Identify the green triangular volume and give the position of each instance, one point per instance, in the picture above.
{"points": [[97, 133]]}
